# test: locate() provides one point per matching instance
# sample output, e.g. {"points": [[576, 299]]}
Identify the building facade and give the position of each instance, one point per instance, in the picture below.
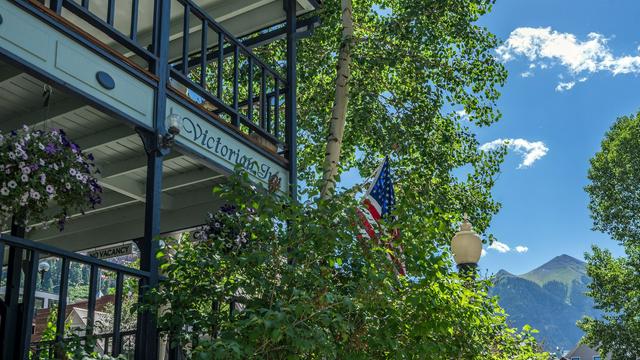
{"points": [[169, 97], [584, 352]]}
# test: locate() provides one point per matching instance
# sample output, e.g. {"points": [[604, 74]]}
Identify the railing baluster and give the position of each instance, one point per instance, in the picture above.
{"points": [[220, 63], [185, 38], [12, 296], [236, 79], [250, 96], [276, 116], [134, 20], [111, 11], [269, 110], [56, 6], [117, 316], [203, 54], [62, 304], [93, 293], [263, 98], [28, 299], [1, 260], [85, 4]]}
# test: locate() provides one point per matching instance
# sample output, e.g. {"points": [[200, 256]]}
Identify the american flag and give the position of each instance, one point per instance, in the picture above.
{"points": [[379, 202]]}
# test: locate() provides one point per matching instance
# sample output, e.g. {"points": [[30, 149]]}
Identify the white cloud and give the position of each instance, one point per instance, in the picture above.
{"points": [[531, 151], [462, 114], [564, 86], [527, 74], [504, 248], [583, 79], [588, 55], [500, 247]]}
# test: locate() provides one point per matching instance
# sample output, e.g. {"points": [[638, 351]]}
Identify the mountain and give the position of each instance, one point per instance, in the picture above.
{"points": [[550, 298]]}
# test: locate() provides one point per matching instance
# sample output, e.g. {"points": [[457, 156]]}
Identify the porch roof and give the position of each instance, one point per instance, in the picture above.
{"points": [[120, 156]]}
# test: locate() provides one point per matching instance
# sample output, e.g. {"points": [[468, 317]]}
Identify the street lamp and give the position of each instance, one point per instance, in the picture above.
{"points": [[43, 267], [466, 246]]}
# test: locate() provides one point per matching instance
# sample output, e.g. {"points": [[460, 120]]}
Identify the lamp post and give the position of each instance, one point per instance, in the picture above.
{"points": [[43, 268], [466, 246]]}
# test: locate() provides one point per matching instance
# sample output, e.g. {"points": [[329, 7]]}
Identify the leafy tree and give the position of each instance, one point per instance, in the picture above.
{"points": [[614, 191], [412, 65], [303, 286], [247, 285], [75, 274], [78, 292], [614, 204], [614, 288]]}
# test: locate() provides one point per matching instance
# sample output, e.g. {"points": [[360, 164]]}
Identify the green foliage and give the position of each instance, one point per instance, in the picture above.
{"points": [[414, 63], [82, 348], [613, 191], [615, 289], [78, 292], [614, 205], [304, 286]]}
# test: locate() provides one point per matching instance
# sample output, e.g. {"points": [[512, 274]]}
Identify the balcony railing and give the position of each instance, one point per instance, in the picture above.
{"points": [[20, 249], [50, 349], [229, 78], [214, 70]]}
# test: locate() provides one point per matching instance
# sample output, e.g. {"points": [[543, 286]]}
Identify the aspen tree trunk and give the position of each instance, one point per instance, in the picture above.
{"points": [[339, 111]]}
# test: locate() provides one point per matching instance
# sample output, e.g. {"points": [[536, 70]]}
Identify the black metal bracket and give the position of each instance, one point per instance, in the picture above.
{"points": [[155, 143]]}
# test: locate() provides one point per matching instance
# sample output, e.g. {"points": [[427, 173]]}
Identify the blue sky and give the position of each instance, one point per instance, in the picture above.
{"points": [[573, 69]]}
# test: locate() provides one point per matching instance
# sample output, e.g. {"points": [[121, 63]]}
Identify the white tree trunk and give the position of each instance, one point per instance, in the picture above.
{"points": [[339, 111]]}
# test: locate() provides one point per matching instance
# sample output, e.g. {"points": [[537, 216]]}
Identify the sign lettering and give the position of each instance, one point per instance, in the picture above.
{"points": [[111, 252], [224, 148]]}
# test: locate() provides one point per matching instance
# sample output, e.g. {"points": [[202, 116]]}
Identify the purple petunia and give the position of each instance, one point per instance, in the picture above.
{"points": [[50, 149]]}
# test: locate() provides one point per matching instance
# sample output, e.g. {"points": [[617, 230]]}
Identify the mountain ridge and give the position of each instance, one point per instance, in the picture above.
{"points": [[550, 298]]}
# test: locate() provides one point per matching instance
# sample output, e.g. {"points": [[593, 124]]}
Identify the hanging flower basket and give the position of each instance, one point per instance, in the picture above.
{"points": [[43, 170], [223, 229]]}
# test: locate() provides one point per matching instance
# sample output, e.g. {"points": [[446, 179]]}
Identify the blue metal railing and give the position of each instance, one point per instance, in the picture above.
{"points": [[106, 25], [233, 83], [259, 110], [20, 249]]}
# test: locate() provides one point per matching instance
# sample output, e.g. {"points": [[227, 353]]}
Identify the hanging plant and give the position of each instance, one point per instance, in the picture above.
{"points": [[43, 170], [222, 229]]}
